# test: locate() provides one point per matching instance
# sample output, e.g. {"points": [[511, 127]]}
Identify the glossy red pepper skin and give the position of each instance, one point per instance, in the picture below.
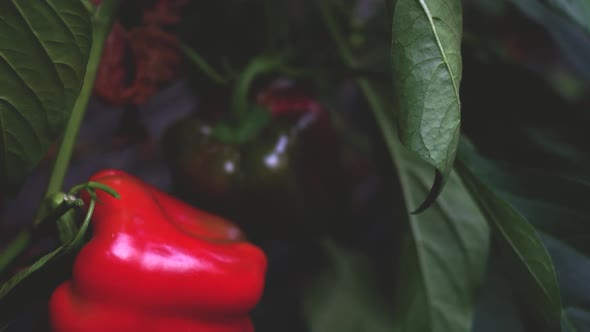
{"points": [[156, 264]]}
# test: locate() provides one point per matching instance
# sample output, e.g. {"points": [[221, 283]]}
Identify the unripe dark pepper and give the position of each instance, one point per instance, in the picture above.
{"points": [[285, 181]]}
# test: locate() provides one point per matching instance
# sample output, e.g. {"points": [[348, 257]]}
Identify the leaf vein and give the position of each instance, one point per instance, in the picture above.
{"points": [[37, 39], [24, 82], [441, 48]]}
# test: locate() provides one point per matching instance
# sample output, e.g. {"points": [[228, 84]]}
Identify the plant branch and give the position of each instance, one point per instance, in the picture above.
{"points": [[336, 33], [102, 22]]}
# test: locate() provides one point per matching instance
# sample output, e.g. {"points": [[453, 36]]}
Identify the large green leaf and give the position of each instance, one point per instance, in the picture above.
{"points": [[44, 49], [426, 60], [528, 261], [445, 254], [446, 247]]}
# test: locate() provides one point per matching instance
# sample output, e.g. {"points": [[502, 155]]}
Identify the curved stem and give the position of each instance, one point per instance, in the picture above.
{"points": [[78, 239], [256, 67], [102, 21]]}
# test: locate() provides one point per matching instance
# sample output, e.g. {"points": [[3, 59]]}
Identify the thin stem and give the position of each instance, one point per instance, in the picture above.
{"points": [[255, 68], [336, 33], [25, 237], [102, 22], [78, 239], [15, 248], [202, 64]]}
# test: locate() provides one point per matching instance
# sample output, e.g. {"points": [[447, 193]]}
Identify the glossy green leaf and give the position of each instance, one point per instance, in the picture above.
{"points": [[529, 263], [446, 247], [445, 255], [44, 49], [426, 60]]}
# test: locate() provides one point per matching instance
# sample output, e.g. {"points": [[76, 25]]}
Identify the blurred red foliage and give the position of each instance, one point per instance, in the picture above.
{"points": [[138, 61]]}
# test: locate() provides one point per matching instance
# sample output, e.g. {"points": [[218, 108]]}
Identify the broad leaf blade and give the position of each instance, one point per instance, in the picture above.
{"points": [[44, 49], [446, 249], [347, 296], [528, 260], [553, 204], [444, 260], [427, 71]]}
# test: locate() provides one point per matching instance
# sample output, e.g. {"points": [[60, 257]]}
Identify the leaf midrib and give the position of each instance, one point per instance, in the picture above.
{"points": [[441, 49], [521, 255]]}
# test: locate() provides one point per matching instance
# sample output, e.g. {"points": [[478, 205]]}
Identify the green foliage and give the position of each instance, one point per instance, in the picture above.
{"points": [[44, 49], [427, 68], [525, 255], [29, 276], [445, 249], [345, 297], [444, 255], [554, 204]]}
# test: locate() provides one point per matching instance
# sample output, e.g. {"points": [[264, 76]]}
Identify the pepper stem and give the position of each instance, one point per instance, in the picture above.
{"points": [[102, 20], [255, 68]]}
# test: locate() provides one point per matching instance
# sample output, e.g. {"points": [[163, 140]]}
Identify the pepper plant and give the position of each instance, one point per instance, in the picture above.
{"points": [[481, 201]]}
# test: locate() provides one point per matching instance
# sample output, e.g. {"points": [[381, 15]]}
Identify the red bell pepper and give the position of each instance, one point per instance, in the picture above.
{"points": [[156, 264]]}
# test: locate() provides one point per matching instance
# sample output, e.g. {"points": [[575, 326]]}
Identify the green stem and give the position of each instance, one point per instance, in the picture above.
{"points": [[256, 67], [15, 248], [336, 33], [367, 88], [102, 22], [80, 236], [202, 64]]}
